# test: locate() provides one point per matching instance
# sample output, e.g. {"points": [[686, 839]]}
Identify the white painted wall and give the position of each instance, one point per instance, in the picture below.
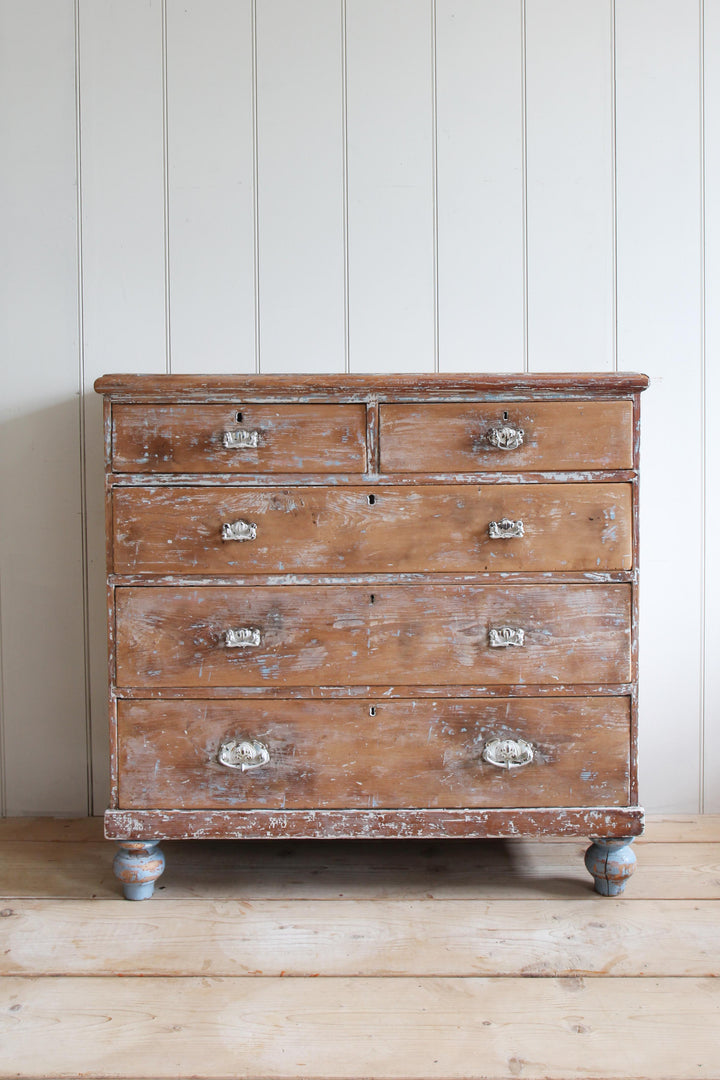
{"points": [[362, 185]]}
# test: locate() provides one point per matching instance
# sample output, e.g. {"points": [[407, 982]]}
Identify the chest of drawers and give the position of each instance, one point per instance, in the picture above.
{"points": [[393, 606]]}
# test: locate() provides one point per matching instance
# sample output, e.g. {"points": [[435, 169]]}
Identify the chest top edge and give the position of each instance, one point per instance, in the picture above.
{"points": [[396, 387]]}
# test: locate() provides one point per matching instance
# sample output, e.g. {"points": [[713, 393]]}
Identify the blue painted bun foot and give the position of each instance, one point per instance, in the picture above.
{"points": [[138, 864], [611, 862]]}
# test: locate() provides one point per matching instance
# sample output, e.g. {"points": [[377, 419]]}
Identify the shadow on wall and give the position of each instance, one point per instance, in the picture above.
{"points": [[52, 590]]}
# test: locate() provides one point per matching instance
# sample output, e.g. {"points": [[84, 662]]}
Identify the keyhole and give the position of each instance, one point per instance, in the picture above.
{"points": [[371, 500], [238, 417], [372, 710], [372, 597], [505, 416]]}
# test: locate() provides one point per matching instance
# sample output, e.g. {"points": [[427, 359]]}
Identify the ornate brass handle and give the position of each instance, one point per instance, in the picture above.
{"points": [[508, 753], [505, 437], [242, 439], [243, 637], [243, 754], [239, 530], [500, 637], [505, 529]]}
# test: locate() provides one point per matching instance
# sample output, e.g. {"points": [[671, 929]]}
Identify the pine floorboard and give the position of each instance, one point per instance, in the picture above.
{"points": [[328, 960]]}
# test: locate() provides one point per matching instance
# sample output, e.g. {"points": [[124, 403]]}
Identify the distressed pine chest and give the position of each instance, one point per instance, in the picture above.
{"points": [[392, 606]]}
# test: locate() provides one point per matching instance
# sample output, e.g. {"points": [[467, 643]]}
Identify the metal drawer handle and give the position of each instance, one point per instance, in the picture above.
{"points": [[243, 637], [508, 753], [500, 637], [242, 439], [243, 754], [239, 530], [505, 529], [505, 437]]}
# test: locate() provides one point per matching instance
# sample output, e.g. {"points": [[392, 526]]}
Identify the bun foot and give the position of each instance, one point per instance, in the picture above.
{"points": [[138, 864], [611, 862]]}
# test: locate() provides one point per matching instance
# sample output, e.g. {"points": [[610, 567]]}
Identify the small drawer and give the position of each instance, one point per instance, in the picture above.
{"points": [[372, 635], [513, 436], [295, 754], [354, 530], [254, 438]]}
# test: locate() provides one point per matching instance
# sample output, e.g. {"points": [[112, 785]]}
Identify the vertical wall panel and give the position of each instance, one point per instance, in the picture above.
{"points": [[570, 185], [390, 183], [659, 332], [44, 708], [300, 186], [712, 405], [480, 185], [210, 185], [122, 184], [121, 103]]}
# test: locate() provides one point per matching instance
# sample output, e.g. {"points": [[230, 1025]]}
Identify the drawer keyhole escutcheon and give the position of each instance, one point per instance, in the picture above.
{"points": [[242, 439], [501, 637], [505, 529], [505, 436], [243, 754], [244, 637], [508, 753], [239, 530]]}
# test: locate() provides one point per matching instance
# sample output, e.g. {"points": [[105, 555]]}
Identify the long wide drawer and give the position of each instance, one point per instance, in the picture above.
{"points": [[532, 527], [324, 754], [379, 635], [254, 438], [509, 436]]}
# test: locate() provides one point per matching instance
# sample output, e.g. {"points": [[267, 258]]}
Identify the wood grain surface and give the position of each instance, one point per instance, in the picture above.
{"points": [[385, 1028], [567, 527], [435, 437], [383, 938], [321, 438], [353, 635], [432, 959], [418, 385], [429, 823], [362, 754], [659, 828]]}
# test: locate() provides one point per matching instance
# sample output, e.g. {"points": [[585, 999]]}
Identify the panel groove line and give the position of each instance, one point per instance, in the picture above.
{"points": [[3, 781], [613, 145], [435, 211], [256, 186], [711, 391], [82, 463], [702, 771], [166, 183], [525, 284], [345, 181]]}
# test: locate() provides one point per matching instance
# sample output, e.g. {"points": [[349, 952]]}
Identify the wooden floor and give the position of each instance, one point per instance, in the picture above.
{"points": [[404, 960]]}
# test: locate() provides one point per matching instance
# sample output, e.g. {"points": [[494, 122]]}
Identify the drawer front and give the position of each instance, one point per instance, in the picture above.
{"points": [[369, 635], [356, 754], [506, 436], [263, 438], [496, 527]]}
